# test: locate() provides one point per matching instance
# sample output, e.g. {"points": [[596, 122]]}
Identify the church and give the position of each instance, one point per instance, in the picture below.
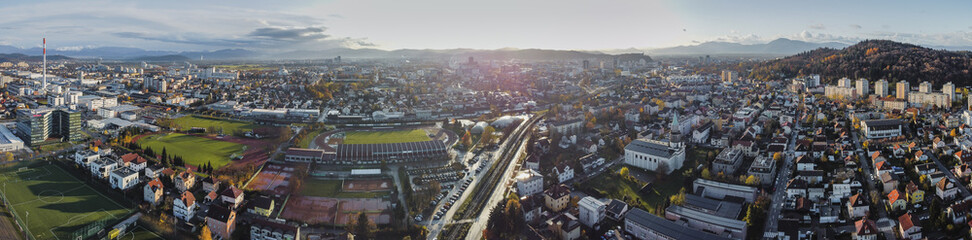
{"points": [[649, 154]]}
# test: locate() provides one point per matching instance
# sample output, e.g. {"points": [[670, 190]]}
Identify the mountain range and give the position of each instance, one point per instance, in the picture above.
{"points": [[776, 47]]}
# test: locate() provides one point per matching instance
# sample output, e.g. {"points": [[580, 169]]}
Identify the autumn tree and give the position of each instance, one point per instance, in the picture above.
{"points": [[467, 139], [205, 233]]}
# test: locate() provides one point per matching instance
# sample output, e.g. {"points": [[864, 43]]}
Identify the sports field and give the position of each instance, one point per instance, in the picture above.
{"points": [[332, 188], [53, 203], [376, 137], [194, 150], [228, 126]]}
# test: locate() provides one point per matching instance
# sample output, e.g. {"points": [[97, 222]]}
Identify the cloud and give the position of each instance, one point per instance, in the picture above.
{"points": [[290, 34], [818, 26], [735, 37], [855, 26]]}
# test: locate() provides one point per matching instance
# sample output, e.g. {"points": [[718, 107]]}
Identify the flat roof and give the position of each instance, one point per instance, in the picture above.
{"points": [[373, 171], [667, 228]]}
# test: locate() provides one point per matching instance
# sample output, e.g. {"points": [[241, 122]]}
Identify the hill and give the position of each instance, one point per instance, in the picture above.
{"points": [[163, 58], [873, 59], [17, 57]]}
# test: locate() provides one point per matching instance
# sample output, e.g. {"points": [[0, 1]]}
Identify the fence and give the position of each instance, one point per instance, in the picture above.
{"points": [[20, 223]]}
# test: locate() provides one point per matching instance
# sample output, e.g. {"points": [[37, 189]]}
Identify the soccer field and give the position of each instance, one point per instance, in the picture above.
{"points": [[377, 137], [228, 126], [194, 150], [332, 188], [53, 203]]}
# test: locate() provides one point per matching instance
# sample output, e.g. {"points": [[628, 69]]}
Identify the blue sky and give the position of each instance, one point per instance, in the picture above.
{"points": [[441, 24]]}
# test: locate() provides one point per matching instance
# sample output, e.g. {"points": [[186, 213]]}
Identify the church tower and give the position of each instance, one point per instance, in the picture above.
{"points": [[675, 133]]}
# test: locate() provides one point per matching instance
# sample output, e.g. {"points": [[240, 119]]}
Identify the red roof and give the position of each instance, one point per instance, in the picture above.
{"points": [[894, 196], [188, 199], [905, 221], [155, 184], [232, 192], [865, 227]]}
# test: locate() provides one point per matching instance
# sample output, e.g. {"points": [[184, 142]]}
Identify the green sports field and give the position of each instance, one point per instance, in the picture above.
{"points": [[53, 203], [228, 126], [375, 137], [194, 150], [332, 188]]}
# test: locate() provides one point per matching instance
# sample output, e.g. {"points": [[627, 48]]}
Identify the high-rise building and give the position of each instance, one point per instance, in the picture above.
{"points": [[862, 88], [37, 125], [844, 82], [586, 64], [949, 90], [881, 88], [925, 87], [729, 76], [901, 91]]}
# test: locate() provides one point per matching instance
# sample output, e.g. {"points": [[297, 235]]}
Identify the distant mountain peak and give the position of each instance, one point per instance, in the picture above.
{"points": [[779, 46]]}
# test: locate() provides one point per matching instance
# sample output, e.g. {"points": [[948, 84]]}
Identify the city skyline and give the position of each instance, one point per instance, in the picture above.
{"points": [[388, 25]]}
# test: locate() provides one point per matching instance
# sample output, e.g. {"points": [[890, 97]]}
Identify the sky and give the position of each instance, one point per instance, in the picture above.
{"points": [[445, 24]]}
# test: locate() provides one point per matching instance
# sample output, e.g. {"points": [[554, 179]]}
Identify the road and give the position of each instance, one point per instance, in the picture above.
{"points": [[948, 173], [782, 177], [499, 194]]}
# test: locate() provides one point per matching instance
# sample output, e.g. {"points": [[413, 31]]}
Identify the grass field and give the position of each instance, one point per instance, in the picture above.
{"points": [[374, 137], [194, 150], [307, 139], [332, 188], [53, 203], [228, 126]]}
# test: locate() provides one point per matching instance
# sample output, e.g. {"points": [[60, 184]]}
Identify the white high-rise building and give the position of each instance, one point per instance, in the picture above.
{"points": [[925, 87], [949, 90], [862, 88], [901, 90], [881, 88]]}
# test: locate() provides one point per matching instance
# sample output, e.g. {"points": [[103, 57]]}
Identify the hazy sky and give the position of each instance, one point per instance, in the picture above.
{"points": [[440, 24]]}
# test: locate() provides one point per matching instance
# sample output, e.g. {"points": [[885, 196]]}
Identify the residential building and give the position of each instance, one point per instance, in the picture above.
{"points": [[591, 211], [210, 184], [881, 88], [865, 229], [102, 168], [529, 182], [221, 221], [565, 226], [556, 197], [907, 227], [901, 89], [264, 229], [184, 207], [232, 196], [727, 161], [261, 205], [763, 168], [123, 178], [896, 201], [564, 173], [857, 206], [862, 87], [185, 180], [152, 192], [945, 189]]}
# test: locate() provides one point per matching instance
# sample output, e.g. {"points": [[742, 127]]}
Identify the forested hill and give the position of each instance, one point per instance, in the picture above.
{"points": [[873, 59]]}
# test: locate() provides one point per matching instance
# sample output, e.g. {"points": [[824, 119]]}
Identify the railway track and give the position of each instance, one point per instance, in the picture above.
{"points": [[484, 189]]}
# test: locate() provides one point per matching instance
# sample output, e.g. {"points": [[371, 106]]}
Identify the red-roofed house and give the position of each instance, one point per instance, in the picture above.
{"points": [[232, 196], [865, 229], [907, 227], [896, 201], [184, 207], [152, 191], [134, 161]]}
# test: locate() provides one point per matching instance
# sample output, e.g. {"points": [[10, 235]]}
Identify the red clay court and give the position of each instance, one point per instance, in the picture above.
{"points": [[334, 211], [273, 179]]}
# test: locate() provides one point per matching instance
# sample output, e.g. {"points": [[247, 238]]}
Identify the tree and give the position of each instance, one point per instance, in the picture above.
{"points": [[679, 198], [706, 174], [954, 133], [362, 227], [467, 139], [662, 170], [205, 233], [487, 137], [624, 172], [8, 156], [777, 157], [752, 180]]}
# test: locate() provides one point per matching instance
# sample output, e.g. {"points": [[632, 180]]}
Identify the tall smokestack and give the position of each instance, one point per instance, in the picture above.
{"points": [[45, 64]]}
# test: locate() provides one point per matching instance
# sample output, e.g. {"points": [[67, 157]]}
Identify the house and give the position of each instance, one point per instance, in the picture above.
{"points": [[211, 196], [945, 189], [184, 180], [564, 172], [889, 181], [532, 162], [907, 228], [796, 188], [590, 162], [806, 163], [962, 170], [925, 168], [152, 192], [232, 196], [82, 158], [221, 221], [261, 205], [959, 211], [565, 226], [265, 229], [124, 178], [915, 194], [864, 229], [152, 172], [102, 168], [920, 156], [532, 207], [184, 207], [529, 182], [591, 211], [896, 201], [857, 206], [616, 209], [556, 197], [210, 184], [134, 161], [763, 168]]}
